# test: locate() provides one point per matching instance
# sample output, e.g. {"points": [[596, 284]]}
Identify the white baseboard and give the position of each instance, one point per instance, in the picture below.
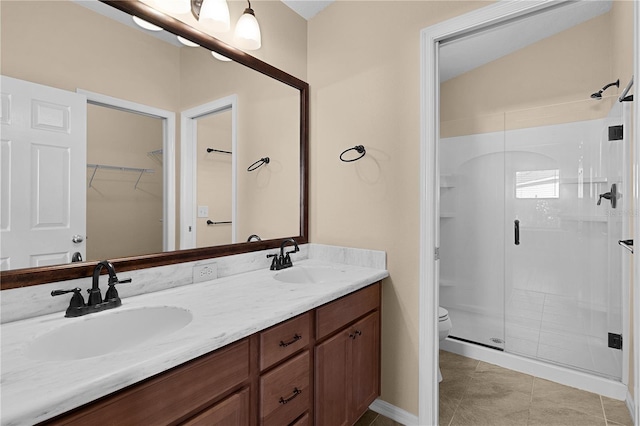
{"points": [[394, 413]]}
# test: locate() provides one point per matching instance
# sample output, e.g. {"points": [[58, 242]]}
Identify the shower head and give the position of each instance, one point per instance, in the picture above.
{"points": [[598, 94]]}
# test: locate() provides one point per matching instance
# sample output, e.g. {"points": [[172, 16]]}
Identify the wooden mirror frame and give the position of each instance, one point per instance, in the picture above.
{"points": [[40, 275]]}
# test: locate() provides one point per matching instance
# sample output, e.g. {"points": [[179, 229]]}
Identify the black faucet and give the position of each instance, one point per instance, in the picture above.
{"points": [[95, 303], [283, 260]]}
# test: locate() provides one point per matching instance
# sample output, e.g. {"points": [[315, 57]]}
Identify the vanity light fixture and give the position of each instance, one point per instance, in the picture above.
{"points": [[213, 14], [187, 42], [220, 57], [146, 25], [247, 33]]}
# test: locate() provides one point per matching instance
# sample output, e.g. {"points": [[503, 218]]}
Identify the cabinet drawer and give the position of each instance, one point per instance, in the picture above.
{"points": [[284, 339], [233, 411], [285, 392], [171, 396], [303, 421], [341, 312]]}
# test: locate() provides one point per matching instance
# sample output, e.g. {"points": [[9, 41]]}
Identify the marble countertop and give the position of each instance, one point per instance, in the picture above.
{"points": [[224, 310]]}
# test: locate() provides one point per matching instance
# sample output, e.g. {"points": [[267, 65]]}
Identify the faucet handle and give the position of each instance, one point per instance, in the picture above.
{"points": [[275, 262], [112, 293], [77, 300]]}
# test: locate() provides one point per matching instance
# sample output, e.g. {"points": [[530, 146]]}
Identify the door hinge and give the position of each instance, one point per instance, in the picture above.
{"points": [[436, 253], [615, 133], [615, 341]]}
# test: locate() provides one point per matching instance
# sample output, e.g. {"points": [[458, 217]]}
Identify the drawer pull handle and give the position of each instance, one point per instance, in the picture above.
{"points": [[355, 334], [296, 337], [296, 392]]}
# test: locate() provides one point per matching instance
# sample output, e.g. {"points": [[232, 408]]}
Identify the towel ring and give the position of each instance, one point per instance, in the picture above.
{"points": [[359, 148], [258, 163]]}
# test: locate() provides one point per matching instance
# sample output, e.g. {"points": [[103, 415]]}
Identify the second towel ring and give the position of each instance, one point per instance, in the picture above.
{"points": [[359, 148], [258, 163]]}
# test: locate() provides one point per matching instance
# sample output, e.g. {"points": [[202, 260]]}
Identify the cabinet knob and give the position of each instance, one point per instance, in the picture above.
{"points": [[355, 334]]}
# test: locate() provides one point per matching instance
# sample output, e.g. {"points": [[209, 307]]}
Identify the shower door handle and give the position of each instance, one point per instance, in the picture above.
{"points": [[628, 244], [516, 231]]}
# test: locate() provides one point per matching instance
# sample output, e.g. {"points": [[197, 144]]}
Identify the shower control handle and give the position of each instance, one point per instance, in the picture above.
{"points": [[611, 196], [516, 231]]}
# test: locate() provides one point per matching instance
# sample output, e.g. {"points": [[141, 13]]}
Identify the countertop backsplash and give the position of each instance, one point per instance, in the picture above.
{"points": [[32, 301]]}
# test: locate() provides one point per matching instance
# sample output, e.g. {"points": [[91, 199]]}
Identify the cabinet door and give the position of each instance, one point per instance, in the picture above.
{"points": [[364, 363], [233, 411], [331, 381]]}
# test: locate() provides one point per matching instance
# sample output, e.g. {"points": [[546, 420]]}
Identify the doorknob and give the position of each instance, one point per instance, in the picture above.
{"points": [[77, 239]]}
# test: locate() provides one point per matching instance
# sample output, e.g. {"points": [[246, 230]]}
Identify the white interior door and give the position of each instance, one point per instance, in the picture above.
{"points": [[43, 175]]}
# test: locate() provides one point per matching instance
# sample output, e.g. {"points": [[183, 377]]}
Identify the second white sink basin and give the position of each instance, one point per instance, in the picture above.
{"points": [[309, 275], [107, 332]]}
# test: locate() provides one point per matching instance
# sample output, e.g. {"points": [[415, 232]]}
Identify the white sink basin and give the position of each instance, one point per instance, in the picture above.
{"points": [[106, 332], [309, 275]]}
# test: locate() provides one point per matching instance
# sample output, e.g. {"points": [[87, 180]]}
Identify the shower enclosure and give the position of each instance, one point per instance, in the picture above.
{"points": [[530, 219]]}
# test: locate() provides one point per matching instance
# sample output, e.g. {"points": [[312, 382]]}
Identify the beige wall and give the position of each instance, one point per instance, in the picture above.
{"points": [[123, 219], [63, 45], [268, 126], [364, 76]]}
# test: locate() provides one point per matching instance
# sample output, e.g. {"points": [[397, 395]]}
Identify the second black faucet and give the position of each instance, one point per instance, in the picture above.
{"points": [[283, 260]]}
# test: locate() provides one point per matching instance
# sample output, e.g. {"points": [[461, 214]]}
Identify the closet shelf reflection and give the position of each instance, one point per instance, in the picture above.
{"points": [[95, 168]]}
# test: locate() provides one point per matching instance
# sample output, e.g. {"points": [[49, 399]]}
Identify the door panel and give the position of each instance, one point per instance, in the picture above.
{"points": [[562, 277], [43, 186]]}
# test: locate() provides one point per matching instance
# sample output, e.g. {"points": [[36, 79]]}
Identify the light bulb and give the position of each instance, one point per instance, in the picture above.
{"points": [[187, 42], [247, 33], [220, 57], [146, 25], [214, 14], [174, 6]]}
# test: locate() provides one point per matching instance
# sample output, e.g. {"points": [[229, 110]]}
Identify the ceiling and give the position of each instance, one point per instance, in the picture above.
{"points": [[464, 54], [307, 8]]}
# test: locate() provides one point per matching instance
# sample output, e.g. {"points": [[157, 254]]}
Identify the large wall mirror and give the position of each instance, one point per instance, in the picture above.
{"points": [[173, 166]]}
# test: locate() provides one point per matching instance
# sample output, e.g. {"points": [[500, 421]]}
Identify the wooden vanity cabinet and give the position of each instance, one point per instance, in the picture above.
{"points": [[322, 365], [347, 357], [177, 395]]}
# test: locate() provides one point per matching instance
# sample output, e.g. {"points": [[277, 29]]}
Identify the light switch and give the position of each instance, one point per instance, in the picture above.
{"points": [[203, 211]]}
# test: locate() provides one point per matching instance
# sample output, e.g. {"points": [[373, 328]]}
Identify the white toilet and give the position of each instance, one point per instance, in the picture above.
{"points": [[444, 325]]}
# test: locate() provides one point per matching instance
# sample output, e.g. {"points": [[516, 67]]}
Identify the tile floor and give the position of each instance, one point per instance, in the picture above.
{"points": [[475, 393]]}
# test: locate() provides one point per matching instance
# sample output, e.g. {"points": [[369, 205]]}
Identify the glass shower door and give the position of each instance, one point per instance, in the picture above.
{"points": [[562, 261], [472, 232]]}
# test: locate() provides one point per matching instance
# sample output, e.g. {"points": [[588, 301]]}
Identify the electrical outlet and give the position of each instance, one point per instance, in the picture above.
{"points": [[205, 272], [203, 211]]}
